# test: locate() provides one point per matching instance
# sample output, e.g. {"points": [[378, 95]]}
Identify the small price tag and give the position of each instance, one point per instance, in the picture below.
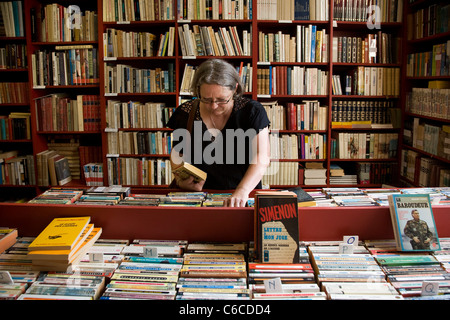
{"points": [[5, 277], [354, 240], [430, 288], [150, 252], [96, 257], [345, 248], [273, 285]]}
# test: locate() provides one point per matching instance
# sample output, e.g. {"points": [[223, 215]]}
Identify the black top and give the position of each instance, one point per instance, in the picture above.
{"points": [[226, 157]]}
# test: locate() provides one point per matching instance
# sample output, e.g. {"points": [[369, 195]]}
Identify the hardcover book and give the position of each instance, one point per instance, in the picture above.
{"points": [[276, 227], [60, 234], [413, 222]]}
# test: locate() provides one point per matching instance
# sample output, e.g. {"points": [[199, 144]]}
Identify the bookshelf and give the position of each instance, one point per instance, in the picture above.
{"points": [[146, 44], [16, 155], [424, 157]]}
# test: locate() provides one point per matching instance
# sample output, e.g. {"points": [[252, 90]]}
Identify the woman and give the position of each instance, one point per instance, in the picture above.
{"points": [[230, 134]]}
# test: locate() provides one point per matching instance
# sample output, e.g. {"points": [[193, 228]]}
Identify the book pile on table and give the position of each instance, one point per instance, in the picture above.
{"points": [[135, 199], [184, 199], [15, 262], [353, 276], [62, 243], [58, 196], [65, 286], [408, 271], [443, 255], [214, 271], [296, 280], [103, 195], [149, 271]]}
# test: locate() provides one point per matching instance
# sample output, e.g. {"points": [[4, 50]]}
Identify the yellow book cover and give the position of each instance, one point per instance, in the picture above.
{"points": [[66, 256], [60, 234]]}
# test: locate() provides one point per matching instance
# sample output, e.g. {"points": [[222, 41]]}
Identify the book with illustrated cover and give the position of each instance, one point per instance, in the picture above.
{"points": [[413, 222], [60, 234], [276, 227], [186, 169]]}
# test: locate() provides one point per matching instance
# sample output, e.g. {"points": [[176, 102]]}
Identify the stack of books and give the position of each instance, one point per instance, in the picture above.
{"points": [[336, 270], [62, 243], [148, 271], [58, 196], [408, 271], [296, 280], [214, 271], [65, 286]]}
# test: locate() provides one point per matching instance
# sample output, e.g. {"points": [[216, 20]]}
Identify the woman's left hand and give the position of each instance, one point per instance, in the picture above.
{"points": [[237, 199]]}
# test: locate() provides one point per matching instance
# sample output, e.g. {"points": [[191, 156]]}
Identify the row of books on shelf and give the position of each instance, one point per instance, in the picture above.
{"points": [[308, 115], [19, 169], [11, 19], [371, 11], [145, 10], [358, 112], [379, 47], [135, 114], [66, 65], [422, 170], [120, 78], [296, 80], [298, 146], [244, 70], [293, 10], [57, 23], [59, 112], [215, 10], [71, 158], [210, 41], [16, 169], [138, 171], [15, 126], [431, 102], [93, 174], [52, 168], [435, 62], [13, 56], [139, 143], [368, 81], [121, 43], [427, 137], [293, 173], [358, 145], [309, 44], [428, 21], [14, 92]]}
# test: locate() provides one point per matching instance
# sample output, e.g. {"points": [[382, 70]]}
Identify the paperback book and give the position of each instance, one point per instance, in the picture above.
{"points": [[276, 229], [413, 222]]}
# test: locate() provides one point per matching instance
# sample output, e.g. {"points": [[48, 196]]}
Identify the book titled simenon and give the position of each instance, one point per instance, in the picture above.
{"points": [[413, 222], [60, 234], [186, 169], [276, 227]]}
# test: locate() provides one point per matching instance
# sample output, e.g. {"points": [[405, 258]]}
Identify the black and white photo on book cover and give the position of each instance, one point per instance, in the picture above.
{"points": [[413, 222]]}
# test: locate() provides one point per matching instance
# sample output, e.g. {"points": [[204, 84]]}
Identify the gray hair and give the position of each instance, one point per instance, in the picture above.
{"points": [[216, 71]]}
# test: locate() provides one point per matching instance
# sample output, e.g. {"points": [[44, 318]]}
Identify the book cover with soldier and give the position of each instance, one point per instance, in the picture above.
{"points": [[413, 222], [276, 227]]}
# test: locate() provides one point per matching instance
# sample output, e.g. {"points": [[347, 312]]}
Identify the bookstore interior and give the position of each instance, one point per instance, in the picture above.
{"points": [[354, 205]]}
